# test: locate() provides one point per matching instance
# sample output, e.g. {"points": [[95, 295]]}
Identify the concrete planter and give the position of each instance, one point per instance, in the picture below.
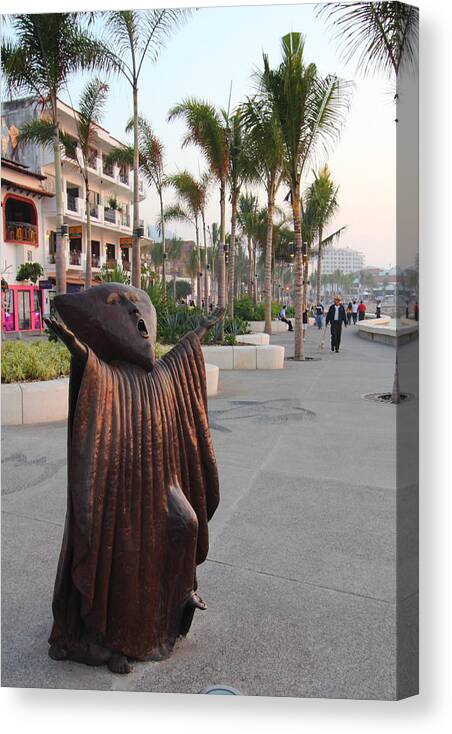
{"points": [[278, 327], [246, 357], [28, 403], [255, 339]]}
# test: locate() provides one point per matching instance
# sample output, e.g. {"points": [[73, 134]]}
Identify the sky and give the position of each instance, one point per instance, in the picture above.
{"points": [[220, 46]]}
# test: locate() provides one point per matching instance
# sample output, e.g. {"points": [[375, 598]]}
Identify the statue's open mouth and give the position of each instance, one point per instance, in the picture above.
{"points": [[142, 328]]}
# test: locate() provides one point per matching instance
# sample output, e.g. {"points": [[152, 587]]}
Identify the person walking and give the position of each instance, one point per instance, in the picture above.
{"points": [[354, 311], [336, 317], [282, 317], [305, 319], [319, 311], [361, 311], [378, 310], [407, 310], [349, 313], [416, 311]]}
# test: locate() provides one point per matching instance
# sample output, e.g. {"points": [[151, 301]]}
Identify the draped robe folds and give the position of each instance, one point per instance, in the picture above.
{"points": [[142, 485]]}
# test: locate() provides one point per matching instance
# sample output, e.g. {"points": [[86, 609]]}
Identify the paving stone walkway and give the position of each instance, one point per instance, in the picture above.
{"points": [[301, 574]]}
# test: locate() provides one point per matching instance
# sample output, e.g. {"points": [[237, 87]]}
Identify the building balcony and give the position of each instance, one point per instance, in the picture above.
{"points": [[125, 221], [75, 257], [111, 263], [110, 216], [74, 204], [21, 232]]}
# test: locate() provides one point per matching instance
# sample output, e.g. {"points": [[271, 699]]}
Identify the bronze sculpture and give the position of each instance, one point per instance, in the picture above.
{"points": [[142, 482]]}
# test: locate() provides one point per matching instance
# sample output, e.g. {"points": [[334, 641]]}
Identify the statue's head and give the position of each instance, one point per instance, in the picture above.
{"points": [[117, 321]]}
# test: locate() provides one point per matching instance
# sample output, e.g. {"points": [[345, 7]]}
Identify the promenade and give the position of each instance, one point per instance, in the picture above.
{"points": [[300, 579]]}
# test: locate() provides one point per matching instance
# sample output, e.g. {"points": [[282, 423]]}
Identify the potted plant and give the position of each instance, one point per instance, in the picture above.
{"points": [[30, 271]]}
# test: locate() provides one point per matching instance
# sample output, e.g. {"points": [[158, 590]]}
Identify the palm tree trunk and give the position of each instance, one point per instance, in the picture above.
{"points": [[198, 266], [60, 248], [250, 267], [268, 266], [255, 288], [319, 265], [162, 229], [89, 264], [231, 265], [221, 258], [174, 283], [136, 260], [206, 274], [298, 337]]}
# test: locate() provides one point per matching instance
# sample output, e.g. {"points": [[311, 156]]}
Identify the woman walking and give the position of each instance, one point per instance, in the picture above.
{"points": [[349, 313]]}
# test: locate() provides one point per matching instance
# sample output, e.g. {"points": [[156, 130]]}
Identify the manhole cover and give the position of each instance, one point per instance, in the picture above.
{"points": [[276, 412], [221, 691], [386, 397]]}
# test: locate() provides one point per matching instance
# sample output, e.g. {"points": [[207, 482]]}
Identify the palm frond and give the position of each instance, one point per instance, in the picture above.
{"points": [[122, 155], [91, 105], [37, 131], [382, 35]]}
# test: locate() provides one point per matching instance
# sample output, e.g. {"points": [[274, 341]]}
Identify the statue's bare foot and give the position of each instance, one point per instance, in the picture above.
{"points": [[119, 664], [197, 602], [57, 652]]}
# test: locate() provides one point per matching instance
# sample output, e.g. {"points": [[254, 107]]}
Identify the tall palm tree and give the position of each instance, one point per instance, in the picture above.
{"points": [[174, 253], [207, 129], [151, 158], [191, 195], [136, 35], [266, 142], [310, 111], [241, 170], [48, 48], [384, 34], [247, 218], [322, 196], [92, 102]]}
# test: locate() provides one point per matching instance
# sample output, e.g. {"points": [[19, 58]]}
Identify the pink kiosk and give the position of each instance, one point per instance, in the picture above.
{"points": [[22, 308]]}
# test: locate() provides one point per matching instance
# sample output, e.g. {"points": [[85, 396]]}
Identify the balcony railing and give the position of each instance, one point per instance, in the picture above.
{"points": [[21, 232], [108, 169], [125, 220], [75, 257], [124, 177], [72, 203], [94, 210], [110, 215]]}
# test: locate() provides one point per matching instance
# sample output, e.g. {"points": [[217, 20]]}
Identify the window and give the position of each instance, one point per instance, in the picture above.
{"points": [[111, 256], [95, 253], [20, 219]]}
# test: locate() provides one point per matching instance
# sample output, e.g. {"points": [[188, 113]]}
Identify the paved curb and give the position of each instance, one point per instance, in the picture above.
{"points": [[29, 403], [246, 357]]}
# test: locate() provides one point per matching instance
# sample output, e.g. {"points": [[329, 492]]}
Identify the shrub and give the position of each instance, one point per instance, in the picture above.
{"points": [[30, 271], [245, 309], [26, 362]]}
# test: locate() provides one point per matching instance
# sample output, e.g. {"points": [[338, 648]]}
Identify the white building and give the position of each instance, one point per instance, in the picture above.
{"points": [[340, 258], [111, 197]]}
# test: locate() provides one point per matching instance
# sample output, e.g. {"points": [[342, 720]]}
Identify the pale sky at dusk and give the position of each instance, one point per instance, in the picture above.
{"points": [[220, 45]]}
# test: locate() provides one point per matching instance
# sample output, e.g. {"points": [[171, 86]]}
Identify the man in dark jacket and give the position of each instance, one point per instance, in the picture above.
{"points": [[336, 317]]}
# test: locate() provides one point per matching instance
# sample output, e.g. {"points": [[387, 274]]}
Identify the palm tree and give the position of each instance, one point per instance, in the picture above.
{"points": [[49, 48], [190, 207], [247, 218], [207, 129], [213, 250], [263, 126], [384, 34], [137, 35], [151, 158], [174, 253], [323, 197], [241, 170], [310, 110], [91, 106]]}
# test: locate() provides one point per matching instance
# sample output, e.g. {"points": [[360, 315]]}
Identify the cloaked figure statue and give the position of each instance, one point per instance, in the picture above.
{"points": [[142, 482]]}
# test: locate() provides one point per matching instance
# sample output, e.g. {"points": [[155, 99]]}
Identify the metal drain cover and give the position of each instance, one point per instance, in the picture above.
{"points": [[386, 397], [221, 691]]}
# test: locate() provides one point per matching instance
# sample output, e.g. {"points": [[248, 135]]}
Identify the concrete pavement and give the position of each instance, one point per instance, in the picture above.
{"points": [[301, 578]]}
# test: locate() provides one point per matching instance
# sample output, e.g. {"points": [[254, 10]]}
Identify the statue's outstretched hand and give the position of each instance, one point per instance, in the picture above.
{"points": [[76, 348], [207, 322]]}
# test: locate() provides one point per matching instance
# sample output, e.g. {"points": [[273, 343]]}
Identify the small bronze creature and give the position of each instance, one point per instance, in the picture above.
{"points": [[142, 482]]}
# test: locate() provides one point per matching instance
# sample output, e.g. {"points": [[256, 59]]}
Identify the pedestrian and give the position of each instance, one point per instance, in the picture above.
{"points": [[282, 317], [349, 313], [361, 311], [407, 310], [354, 311], [305, 319], [378, 309], [319, 311], [336, 317], [416, 311]]}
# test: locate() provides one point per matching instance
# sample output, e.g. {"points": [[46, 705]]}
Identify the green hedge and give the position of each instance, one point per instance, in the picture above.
{"points": [[28, 361], [246, 310], [43, 360]]}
